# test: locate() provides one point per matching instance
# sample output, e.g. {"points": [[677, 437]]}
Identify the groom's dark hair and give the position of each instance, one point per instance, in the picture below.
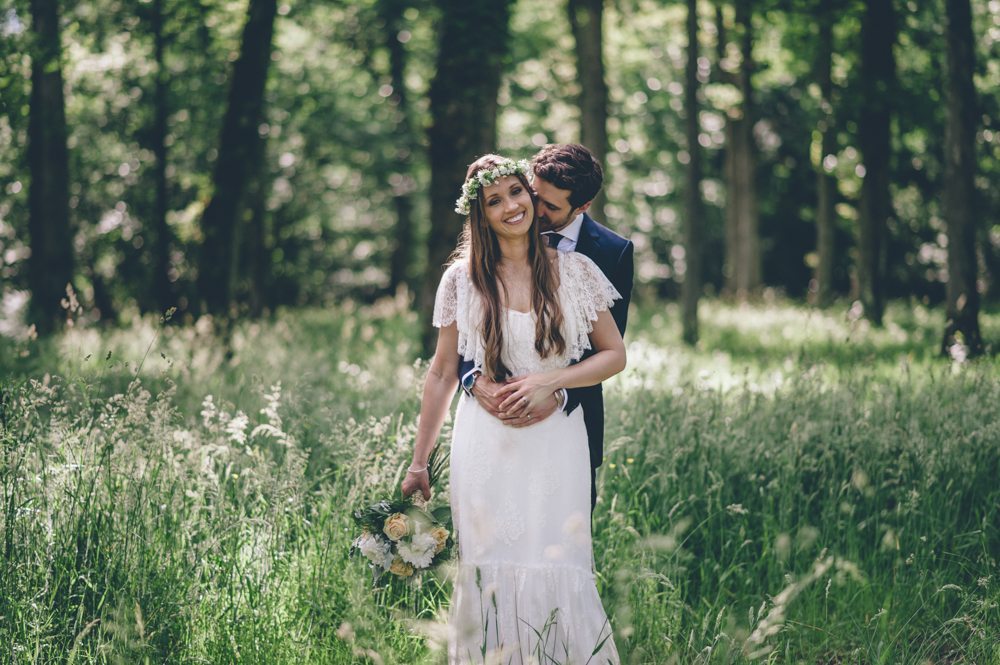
{"points": [[570, 166]]}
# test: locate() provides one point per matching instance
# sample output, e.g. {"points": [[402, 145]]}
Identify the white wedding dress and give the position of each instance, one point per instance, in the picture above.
{"points": [[520, 497]]}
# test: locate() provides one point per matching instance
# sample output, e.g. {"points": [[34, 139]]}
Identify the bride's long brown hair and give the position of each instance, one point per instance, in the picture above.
{"points": [[479, 245]]}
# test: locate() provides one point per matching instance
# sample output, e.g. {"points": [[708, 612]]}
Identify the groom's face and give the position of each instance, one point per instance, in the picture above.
{"points": [[554, 209]]}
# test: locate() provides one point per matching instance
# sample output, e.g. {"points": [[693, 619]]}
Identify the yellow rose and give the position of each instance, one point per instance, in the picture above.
{"points": [[400, 568], [397, 526], [441, 537]]}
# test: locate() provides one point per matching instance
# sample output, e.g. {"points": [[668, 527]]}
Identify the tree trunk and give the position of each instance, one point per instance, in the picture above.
{"points": [[962, 323], [585, 19], [161, 285], [878, 33], [256, 242], [463, 105], [50, 267], [743, 258], [694, 217], [222, 221], [729, 220], [825, 184], [401, 181]]}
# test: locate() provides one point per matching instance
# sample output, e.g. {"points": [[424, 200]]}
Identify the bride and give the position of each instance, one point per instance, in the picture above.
{"points": [[520, 497]]}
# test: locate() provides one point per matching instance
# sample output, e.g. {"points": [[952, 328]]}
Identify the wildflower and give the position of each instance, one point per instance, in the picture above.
{"points": [[959, 352], [208, 411], [237, 428], [270, 411]]}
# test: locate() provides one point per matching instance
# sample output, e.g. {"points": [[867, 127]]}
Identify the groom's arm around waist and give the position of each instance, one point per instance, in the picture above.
{"points": [[578, 396], [621, 275]]}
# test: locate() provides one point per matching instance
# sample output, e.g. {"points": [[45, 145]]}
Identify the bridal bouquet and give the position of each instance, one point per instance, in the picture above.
{"points": [[402, 538]]}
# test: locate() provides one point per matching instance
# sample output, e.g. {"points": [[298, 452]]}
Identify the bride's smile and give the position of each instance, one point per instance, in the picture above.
{"points": [[508, 207], [516, 219]]}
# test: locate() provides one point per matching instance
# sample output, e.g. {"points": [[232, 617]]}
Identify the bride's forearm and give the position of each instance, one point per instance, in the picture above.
{"points": [[439, 389]]}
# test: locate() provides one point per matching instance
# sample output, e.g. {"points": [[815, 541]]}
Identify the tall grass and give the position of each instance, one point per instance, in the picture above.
{"points": [[799, 488]]}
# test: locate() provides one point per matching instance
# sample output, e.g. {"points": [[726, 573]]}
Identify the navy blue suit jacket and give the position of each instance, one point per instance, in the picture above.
{"points": [[613, 254]]}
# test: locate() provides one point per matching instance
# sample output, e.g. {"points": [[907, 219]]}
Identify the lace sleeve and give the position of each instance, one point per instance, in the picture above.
{"points": [[446, 300], [589, 293], [456, 302]]}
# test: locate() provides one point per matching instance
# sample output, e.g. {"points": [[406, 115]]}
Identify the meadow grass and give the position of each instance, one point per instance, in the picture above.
{"points": [[798, 488]]}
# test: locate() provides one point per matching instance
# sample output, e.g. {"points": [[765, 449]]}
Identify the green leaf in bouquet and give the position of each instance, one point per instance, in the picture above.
{"points": [[442, 515], [437, 463], [373, 516]]}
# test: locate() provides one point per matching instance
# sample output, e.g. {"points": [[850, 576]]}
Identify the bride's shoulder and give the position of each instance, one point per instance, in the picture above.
{"points": [[456, 276], [457, 270], [577, 262], [452, 291]]}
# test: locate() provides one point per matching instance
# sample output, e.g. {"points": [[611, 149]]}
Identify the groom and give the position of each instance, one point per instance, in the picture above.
{"points": [[567, 178]]}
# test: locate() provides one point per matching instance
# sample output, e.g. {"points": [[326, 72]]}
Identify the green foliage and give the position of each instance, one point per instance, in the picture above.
{"points": [[799, 487], [337, 153]]}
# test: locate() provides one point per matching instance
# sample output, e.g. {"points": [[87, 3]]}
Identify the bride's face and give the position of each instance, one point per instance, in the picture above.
{"points": [[508, 207]]}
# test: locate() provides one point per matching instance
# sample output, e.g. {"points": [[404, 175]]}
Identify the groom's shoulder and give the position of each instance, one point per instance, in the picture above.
{"points": [[607, 236]]}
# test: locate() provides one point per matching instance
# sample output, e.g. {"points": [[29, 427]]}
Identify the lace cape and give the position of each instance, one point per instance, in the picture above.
{"points": [[583, 292]]}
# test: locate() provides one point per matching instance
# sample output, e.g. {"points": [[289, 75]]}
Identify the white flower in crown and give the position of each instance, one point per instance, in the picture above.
{"points": [[489, 176]]}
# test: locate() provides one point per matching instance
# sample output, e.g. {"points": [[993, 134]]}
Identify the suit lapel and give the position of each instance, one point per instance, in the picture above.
{"points": [[589, 241]]}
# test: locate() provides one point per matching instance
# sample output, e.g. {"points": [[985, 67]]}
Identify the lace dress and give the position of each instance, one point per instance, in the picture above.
{"points": [[525, 591]]}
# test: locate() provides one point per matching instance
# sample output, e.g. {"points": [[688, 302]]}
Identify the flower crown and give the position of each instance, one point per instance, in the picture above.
{"points": [[488, 176]]}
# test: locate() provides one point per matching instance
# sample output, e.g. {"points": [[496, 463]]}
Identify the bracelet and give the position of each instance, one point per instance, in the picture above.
{"points": [[420, 470]]}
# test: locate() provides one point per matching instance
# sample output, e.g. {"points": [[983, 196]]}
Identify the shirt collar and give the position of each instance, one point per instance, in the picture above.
{"points": [[572, 230]]}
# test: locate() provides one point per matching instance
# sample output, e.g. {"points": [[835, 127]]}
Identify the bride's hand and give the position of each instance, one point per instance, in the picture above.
{"points": [[525, 394], [417, 481]]}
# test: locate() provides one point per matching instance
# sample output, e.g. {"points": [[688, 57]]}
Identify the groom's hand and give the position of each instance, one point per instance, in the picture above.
{"points": [[538, 414], [527, 399], [485, 392]]}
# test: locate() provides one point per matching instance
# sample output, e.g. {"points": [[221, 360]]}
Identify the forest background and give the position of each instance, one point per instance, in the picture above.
{"points": [[204, 161]]}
